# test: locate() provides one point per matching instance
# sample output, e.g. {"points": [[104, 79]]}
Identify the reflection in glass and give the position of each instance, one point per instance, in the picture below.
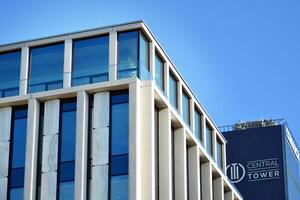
{"points": [[198, 127], [159, 72], [46, 68], [219, 155], [173, 90], [10, 64], [185, 108], [209, 145]]}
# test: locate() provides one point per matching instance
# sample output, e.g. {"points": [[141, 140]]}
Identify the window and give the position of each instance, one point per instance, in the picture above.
{"points": [[198, 127], [159, 72], [90, 60], [46, 68], [119, 146], [10, 64], [66, 159], [185, 108], [219, 156], [133, 55], [209, 145], [17, 153], [173, 90]]}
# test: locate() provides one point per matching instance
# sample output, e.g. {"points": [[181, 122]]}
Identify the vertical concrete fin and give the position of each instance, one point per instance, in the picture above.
{"points": [[218, 190], [113, 37], [68, 63], [194, 173], [206, 180]]}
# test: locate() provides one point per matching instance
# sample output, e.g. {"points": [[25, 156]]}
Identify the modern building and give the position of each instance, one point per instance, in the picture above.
{"points": [[104, 114], [263, 160]]}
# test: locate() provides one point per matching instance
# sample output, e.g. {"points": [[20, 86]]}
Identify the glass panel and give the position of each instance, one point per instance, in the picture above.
{"points": [[173, 90], [10, 64], [128, 54], [198, 127], [46, 68], [159, 72], [144, 58], [119, 187], [90, 60], [119, 146], [18, 148], [185, 108], [209, 145], [67, 142], [219, 154]]}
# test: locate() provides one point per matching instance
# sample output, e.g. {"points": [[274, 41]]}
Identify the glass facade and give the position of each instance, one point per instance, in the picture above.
{"points": [[17, 154], [90, 60], [46, 68], [119, 146], [173, 90], [198, 125], [66, 160], [209, 142], [159, 72], [219, 155], [10, 64], [185, 108], [292, 173]]}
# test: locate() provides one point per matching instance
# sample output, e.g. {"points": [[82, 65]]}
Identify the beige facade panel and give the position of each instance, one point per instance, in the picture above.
{"points": [[218, 190], [206, 180], [51, 118], [5, 123], [194, 173], [48, 185]]}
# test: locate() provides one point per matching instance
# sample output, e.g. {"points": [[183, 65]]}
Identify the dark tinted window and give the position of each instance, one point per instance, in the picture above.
{"points": [[10, 64], [185, 108], [90, 60], [219, 156], [209, 145], [173, 90], [46, 68], [197, 124], [159, 72]]}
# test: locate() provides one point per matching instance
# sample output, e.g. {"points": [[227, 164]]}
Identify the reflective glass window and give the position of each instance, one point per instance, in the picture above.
{"points": [[67, 143], [185, 108], [209, 145], [128, 54], [173, 90], [17, 155], [219, 155], [159, 72], [197, 124], [119, 146], [90, 60], [144, 58], [46, 68], [10, 64]]}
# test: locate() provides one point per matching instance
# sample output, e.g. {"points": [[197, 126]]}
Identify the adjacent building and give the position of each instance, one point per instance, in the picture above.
{"points": [[104, 114], [263, 160]]}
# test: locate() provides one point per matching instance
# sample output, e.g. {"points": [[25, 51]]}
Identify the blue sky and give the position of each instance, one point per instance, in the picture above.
{"points": [[241, 58]]}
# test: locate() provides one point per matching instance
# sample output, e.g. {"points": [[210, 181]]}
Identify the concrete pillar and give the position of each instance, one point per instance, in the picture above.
{"points": [[229, 196], [50, 150], [194, 173], [147, 131], [152, 59], [100, 147], [180, 164], [206, 180], [81, 163], [165, 155], [218, 190], [32, 149], [24, 70], [68, 63], [5, 130], [113, 55]]}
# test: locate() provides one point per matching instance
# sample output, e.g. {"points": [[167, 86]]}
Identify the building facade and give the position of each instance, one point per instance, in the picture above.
{"points": [[104, 114], [266, 165]]}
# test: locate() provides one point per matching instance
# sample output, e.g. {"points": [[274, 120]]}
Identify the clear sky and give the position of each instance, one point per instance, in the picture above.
{"points": [[241, 58]]}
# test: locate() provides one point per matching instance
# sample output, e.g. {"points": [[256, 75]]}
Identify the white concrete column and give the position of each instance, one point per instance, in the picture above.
{"points": [[147, 139], [224, 158], [218, 190], [229, 196], [5, 130], [206, 180], [194, 173], [192, 114], [81, 163], [113, 55], [180, 164], [50, 150], [24, 70], [166, 78], [32, 149], [152, 59], [100, 147], [179, 94], [203, 126], [68, 63], [165, 155]]}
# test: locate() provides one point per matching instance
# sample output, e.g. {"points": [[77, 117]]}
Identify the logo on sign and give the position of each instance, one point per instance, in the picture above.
{"points": [[236, 172]]}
